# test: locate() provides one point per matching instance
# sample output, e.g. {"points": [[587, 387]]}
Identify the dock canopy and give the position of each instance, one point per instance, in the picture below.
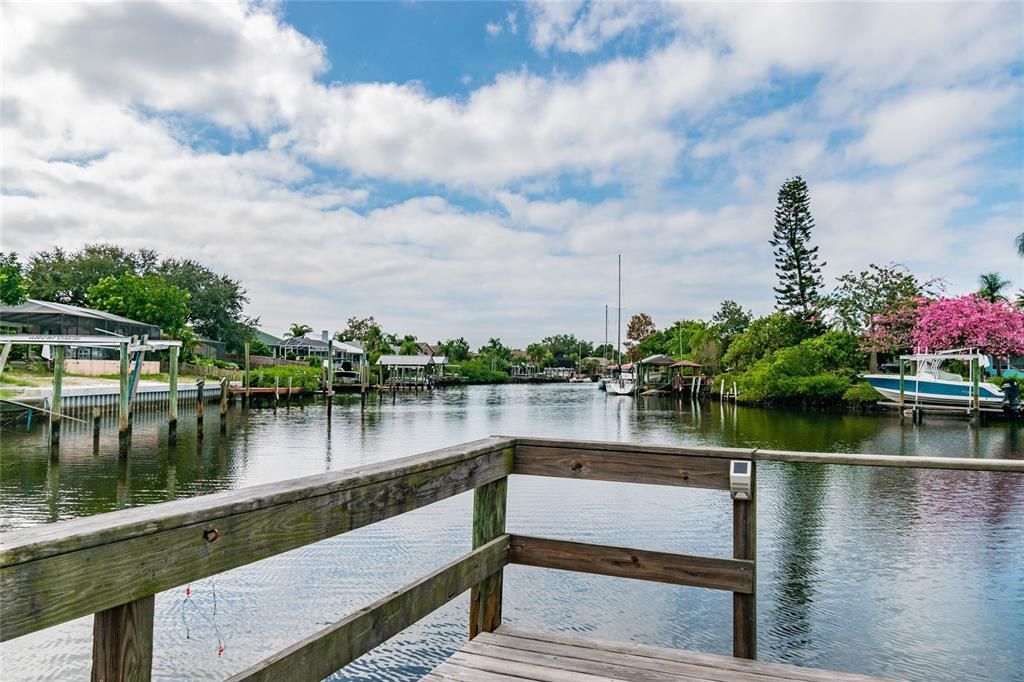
{"points": [[407, 361], [687, 363], [658, 361]]}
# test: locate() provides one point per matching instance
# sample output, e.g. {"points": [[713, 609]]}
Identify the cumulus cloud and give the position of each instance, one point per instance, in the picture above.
{"points": [[209, 131]]}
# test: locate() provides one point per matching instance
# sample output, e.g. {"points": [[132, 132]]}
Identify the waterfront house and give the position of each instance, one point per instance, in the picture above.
{"points": [[347, 354]]}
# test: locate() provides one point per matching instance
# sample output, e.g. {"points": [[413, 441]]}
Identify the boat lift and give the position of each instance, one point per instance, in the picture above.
{"points": [[129, 347]]}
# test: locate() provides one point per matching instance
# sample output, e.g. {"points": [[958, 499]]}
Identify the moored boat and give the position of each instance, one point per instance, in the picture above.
{"points": [[930, 385]]}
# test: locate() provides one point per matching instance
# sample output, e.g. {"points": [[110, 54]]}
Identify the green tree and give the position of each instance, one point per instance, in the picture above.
{"points": [[409, 346], [862, 296], [796, 261], [456, 350], [357, 328], [63, 277], [764, 335], [216, 302], [730, 320], [566, 349], [605, 350], [539, 354], [298, 331], [1020, 244], [13, 288], [147, 299], [991, 287], [496, 354]]}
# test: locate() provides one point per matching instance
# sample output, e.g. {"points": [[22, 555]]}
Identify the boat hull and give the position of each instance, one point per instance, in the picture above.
{"points": [[620, 387], [933, 391]]}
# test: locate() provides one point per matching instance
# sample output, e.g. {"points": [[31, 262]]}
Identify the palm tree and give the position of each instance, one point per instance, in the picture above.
{"points": [[298, 331], [1020, 244], [992, 285]]}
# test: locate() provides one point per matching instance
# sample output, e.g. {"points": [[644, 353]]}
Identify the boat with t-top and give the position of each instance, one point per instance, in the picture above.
{"points": [[928, 384]]}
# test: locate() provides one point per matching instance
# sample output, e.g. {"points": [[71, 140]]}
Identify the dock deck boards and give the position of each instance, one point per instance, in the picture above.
{"points": [[516, 655]]}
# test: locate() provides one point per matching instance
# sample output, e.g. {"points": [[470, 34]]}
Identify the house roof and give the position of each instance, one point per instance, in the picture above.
{"points": [[406, 360], [658, 360], [426, 348], [269, 339], [352, 347], [302, 342], [36, 307]]}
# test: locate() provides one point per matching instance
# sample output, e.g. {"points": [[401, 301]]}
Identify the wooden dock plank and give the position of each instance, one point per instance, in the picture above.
{"points": [[785, 671], [700, 671], [517, 654]]}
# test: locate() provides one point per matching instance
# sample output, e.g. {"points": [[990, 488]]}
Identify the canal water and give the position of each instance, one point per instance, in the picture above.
{"points": [[904, 573]]}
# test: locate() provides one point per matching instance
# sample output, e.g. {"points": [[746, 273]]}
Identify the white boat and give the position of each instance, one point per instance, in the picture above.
{"points": [[623, 384], [930, 385]]}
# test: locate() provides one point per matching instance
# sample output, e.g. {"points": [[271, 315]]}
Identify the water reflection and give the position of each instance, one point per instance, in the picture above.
{"points": [[904, 573]]}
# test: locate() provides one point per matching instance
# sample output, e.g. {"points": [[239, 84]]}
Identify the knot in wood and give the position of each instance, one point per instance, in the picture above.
{"points": [[576, 466], [211, 535]]}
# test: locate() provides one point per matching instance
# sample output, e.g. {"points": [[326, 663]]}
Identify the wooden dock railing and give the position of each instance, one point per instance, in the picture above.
{"points": [[112, 565]]}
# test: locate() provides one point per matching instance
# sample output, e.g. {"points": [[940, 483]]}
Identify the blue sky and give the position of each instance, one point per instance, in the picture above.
{"points": [[473, 169]]}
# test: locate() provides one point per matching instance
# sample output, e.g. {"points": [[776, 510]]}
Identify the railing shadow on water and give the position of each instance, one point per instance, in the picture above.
{"points": [[113, 564]]}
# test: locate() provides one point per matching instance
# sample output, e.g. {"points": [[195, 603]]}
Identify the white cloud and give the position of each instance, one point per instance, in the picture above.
{"points": [[493, 28], [928, 122], [105, 111]]}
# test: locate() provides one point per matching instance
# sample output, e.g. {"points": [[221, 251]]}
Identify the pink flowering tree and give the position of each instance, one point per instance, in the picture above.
{"points": [[969, 322], [892, 330]]}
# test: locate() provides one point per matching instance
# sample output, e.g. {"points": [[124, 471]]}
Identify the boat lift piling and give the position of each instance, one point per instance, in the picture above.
{"points": [[224, 405], [172, 397], [200, 405], [123, 426], [55, 403]]}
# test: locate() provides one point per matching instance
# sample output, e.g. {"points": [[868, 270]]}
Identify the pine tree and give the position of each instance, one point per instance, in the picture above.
{"points": [[796, 261]]}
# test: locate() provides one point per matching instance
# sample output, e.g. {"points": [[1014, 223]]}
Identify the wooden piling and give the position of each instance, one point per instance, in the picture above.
{"points": [[55, 403], [277, 390], [329, 384], [172, 395], [200, 405], [224, 405], [488, 523], [744, 546], [903, 381], [122, 411], [246, 396], [975, 391], [96, 423], [289, 390]]}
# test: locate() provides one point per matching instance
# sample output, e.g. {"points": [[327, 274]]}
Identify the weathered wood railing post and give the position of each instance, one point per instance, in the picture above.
{"points": [[488, 523], [744, 546], [224, 405], [122, 405], [122, 642], [55, 402], [172, 396]]}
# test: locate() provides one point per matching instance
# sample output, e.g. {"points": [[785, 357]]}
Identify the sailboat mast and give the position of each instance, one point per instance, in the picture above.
{"points": [[618, 340], [605, 331]]}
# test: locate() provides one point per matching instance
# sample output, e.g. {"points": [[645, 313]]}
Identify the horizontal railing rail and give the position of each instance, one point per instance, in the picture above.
{"points": [[112, 564]]}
